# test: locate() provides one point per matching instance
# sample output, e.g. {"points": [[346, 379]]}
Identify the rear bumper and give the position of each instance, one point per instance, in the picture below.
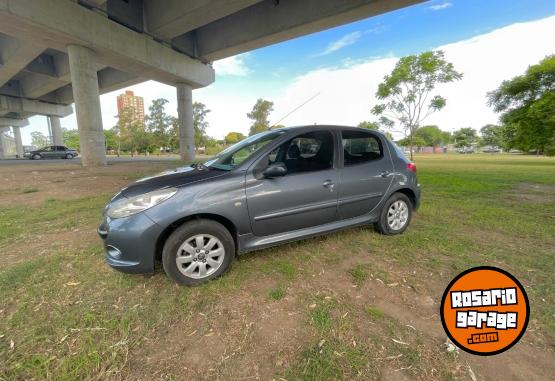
{"points": [[130, 243]]}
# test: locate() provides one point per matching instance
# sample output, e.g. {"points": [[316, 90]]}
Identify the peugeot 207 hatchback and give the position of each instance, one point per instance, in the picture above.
{"points": [[274, 187]]}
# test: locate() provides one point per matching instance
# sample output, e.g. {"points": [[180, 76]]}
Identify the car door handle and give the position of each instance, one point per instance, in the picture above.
{"points": [[328, 184], [384, 174]]}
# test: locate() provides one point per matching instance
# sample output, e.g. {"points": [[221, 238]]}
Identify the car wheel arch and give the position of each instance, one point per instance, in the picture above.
{"points": [[228, 224], [409, 193]]}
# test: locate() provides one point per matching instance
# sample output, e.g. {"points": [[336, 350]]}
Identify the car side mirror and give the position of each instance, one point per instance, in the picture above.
{"points": [[275, 170]]}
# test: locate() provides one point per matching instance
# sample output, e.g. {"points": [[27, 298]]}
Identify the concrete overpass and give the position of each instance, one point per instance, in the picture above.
{"points": [[57, 52]]}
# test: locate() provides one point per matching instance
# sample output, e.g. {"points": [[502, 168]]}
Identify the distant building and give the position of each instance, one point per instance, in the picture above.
{"points": [[134, 102]]}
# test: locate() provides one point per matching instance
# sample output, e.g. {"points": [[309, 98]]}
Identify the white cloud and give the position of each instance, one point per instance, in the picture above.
{"points": [[347, 93], [344, 41], [232, 66], [439, 7]]}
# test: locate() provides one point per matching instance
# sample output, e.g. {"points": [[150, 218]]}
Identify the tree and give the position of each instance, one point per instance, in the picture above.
{"points": [[259, 116], [70, 138], [38, 139], [406, 92], [492, 135], [527, 107], [233, 137], [369, 125], [133, 135], [465, 137], [199, 123], [432, 136], [158, 123], [111, 139]]}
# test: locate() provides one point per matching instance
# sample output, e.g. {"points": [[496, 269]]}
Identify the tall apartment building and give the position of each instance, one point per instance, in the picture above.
{"points": [[134, 102]]}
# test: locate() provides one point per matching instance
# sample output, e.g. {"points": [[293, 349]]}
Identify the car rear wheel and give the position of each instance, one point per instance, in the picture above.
{"points": [[395, 216], [69, 156], [198, 251], [37, 157]]}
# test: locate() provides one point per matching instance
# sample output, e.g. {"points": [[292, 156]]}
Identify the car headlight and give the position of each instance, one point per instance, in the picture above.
{"points": [[133, 205]]}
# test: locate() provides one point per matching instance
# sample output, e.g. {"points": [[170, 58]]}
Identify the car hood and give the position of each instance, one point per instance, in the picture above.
{"points": [[177, 177]]}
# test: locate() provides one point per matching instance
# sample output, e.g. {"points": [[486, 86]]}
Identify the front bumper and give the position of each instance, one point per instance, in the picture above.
{"points": [[130, 243]]}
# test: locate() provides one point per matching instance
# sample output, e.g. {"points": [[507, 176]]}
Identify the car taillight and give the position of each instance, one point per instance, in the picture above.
{"points": [[411, 167]]}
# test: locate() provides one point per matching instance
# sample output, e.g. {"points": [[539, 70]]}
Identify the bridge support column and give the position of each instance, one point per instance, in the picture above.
{"points": [[82, 65], [56, 130], [185, 117], [18, 142], [2, 153]]}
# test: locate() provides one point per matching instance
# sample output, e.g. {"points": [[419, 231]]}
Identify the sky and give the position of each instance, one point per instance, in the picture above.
{"points": [[487, 40]]}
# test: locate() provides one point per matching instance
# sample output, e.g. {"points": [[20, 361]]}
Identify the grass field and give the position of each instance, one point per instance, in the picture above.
{"points": [[350, 305]]}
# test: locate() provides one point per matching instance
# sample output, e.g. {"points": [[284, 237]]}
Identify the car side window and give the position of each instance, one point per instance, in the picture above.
{"points": [[61, 148], [360, 147], [308, 152]]}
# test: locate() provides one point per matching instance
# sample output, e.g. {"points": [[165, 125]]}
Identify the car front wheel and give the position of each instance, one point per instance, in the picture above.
{"points": [[198, 251], [37, 157], [395, 216], [69, 156]]}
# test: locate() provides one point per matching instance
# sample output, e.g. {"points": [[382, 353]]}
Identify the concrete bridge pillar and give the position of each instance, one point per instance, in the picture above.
{"points": [[18, 142], [185, 118], [82, 65], [56, 130], [2, 153]]}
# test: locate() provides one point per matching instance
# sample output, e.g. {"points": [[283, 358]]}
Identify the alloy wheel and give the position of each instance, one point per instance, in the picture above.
{"points": [[200, 256]]}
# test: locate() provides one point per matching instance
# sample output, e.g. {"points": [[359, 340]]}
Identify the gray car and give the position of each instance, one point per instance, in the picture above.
{"points": [[52, 152], [274, 187]]}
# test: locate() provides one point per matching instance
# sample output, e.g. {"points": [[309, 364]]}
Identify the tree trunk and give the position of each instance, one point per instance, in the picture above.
{"points": [[411, 144]]}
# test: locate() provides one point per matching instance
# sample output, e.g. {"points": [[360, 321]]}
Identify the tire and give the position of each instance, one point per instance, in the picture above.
{"points": [[182, 245], [69, 156], [396, 224], [37, 157]]}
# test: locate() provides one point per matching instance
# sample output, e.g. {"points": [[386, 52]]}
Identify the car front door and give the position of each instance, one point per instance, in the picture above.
{"points": [[366, 174], [49, 152], [306, 196]]}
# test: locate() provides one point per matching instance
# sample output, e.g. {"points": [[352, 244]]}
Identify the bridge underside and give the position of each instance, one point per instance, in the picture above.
{"points": [[54, 53]]}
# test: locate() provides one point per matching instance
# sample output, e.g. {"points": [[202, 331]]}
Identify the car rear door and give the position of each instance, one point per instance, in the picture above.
{"points": [[366, 174], [306, 196]]}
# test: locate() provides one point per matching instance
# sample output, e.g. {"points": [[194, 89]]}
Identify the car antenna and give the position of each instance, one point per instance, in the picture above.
{"points": [[295, 109]]}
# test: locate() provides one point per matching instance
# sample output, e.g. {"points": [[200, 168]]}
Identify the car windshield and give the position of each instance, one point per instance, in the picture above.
{"points": [[233, 156]]}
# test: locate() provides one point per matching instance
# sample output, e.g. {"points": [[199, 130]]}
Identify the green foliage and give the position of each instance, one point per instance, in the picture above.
{"points": [[259, 116], [70, 138], [369, 125], [233, 137], [111, 139], [432, 136], [200, 123], [160, 126], [39, 140], [465, 137], [492, 135], [527, 107], [407, 91]]}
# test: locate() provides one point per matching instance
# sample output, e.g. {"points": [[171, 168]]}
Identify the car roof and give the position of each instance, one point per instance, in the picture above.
{"points": [[330, 126]]}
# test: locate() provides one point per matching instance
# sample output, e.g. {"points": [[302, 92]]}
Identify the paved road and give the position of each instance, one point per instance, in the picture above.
{"points": [[77, 160]]}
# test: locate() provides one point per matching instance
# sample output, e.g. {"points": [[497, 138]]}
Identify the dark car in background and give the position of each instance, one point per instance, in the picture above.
{"points": [[274, 187], [52, 152]]}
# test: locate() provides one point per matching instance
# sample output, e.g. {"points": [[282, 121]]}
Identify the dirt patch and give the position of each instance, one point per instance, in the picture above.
{"points": [[243, 336], [534, 193], [44, 244], [33, 184]]}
